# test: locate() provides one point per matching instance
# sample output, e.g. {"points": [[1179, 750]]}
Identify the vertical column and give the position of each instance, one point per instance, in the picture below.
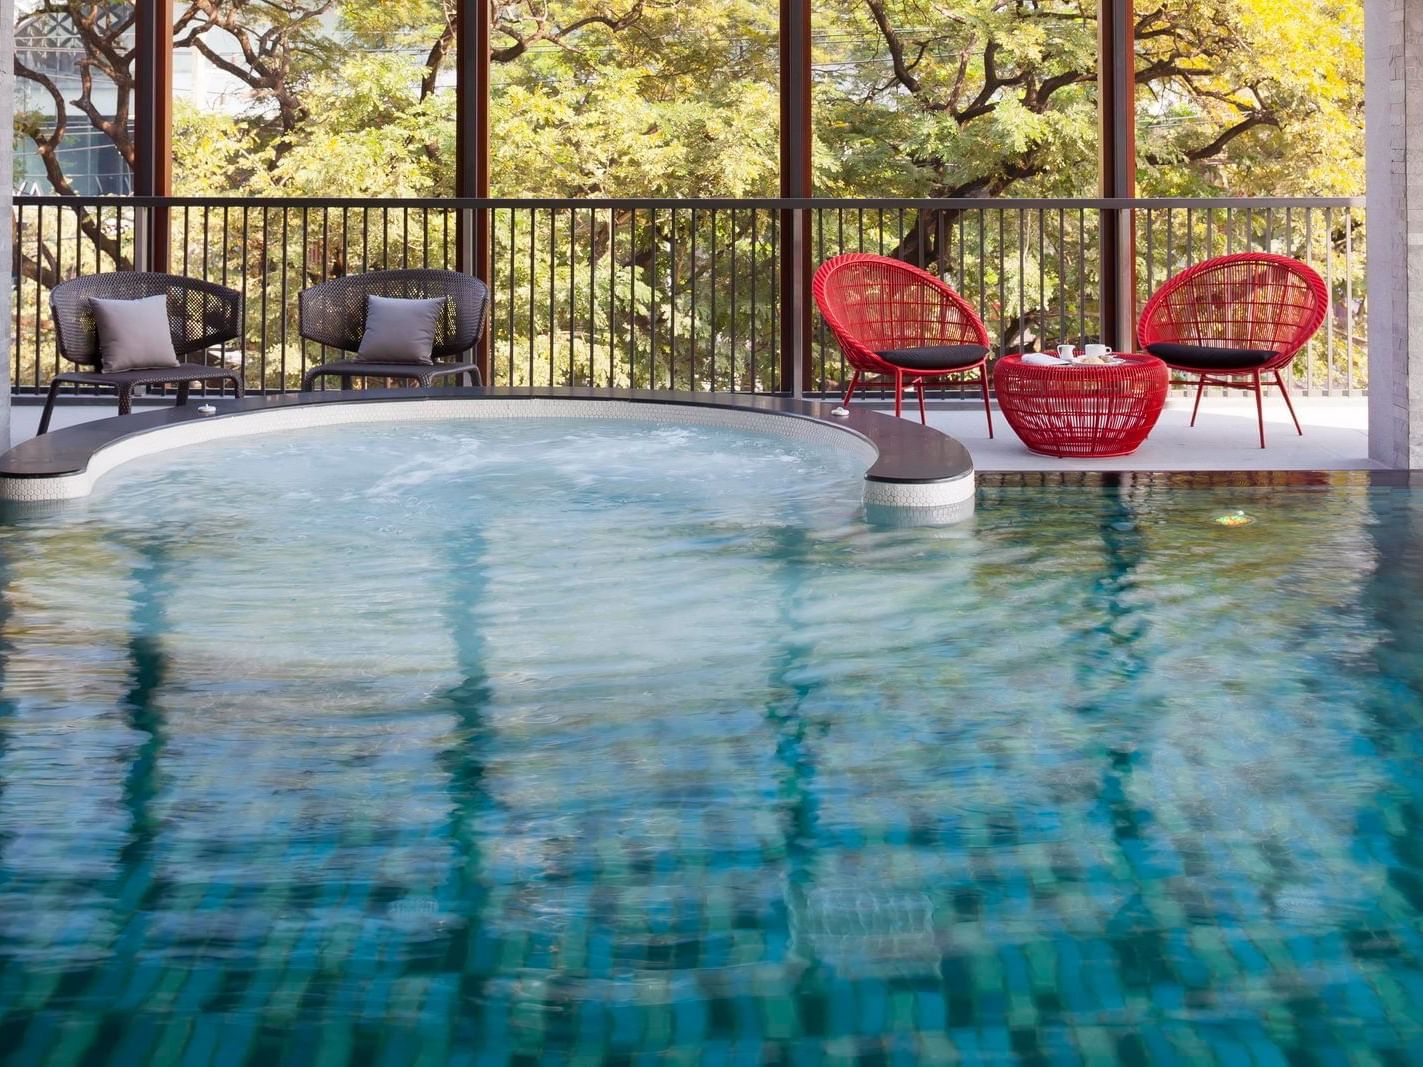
{"points": [[1116, 102], [795, 182], [472, 147], [153, 126], [1393, 124], [7, 168]]}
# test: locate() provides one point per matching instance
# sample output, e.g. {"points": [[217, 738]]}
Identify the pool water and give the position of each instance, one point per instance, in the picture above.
{"points": [[582, 742]]}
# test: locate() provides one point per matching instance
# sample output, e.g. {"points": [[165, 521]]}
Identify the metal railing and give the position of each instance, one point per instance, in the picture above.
{"points": [[672, 294]]}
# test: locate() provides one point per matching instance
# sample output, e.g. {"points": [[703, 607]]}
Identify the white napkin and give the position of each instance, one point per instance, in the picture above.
{"points": [[1042, 359]]}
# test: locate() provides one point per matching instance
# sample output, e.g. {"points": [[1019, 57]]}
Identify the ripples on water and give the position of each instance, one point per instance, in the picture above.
{"points": [[579, 742]]}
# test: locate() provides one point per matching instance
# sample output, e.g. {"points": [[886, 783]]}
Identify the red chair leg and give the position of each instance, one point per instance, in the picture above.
{"points": [[1284, 392], [854, 381], [919, 388], [1260, 407], [987, 409], [1200, 388], [898, 394]]}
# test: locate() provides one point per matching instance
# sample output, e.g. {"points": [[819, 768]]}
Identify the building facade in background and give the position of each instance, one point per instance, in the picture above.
{"points": [[51, 47]]}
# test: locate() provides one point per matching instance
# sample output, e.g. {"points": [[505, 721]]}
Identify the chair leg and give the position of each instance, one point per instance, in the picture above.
{"points": [[125, 400], [1200, 388], [49, 405], [1260, 407], [183, 388], [854, 381], [919, 388], [987, 408], [345, 382], [238, 389], [898, 394], [1284, 392]]}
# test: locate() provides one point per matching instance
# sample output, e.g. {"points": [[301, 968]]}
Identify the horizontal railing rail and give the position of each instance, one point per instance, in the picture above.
{"points": [[668, 293]]}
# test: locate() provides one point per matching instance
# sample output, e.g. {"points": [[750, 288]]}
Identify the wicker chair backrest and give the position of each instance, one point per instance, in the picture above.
{"points": [[876, 303], [334, 313], [200, 314], [1252, 300]]}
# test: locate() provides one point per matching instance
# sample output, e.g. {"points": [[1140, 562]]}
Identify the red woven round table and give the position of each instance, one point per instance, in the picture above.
{"points": [[1069, 411]]}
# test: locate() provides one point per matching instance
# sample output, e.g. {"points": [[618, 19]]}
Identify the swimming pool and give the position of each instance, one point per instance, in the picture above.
{"points": [[568, 741]]}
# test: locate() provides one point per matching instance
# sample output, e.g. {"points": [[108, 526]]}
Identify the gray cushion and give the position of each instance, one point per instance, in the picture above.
{"points": [[934, 357], [1210, 357], [133, 334], [400, 331]]}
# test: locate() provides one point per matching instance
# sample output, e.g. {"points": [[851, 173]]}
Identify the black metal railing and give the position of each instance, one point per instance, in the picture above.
{"points": [[673, 294]]}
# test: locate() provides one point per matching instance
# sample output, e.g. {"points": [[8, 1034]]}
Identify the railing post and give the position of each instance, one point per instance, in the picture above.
{"points": [[795, 182], [153, 129], [1119, 278], [795, 300], [1116, 96], [465, 250], [472, 150], [142, 239]]}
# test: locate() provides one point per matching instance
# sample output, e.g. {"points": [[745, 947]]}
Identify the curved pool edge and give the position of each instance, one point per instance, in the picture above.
{"points": [[917, 470]]}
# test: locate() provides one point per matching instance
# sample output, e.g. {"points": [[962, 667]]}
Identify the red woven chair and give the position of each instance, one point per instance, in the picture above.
{"points": [[897, 323], [1240, 316]]}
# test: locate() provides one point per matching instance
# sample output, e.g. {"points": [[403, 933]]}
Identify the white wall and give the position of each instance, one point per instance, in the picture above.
{"points": [[1393, 31]]}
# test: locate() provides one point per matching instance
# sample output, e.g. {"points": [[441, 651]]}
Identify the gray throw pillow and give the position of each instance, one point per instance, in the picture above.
{"points": [[133, 334], [400, 331]]}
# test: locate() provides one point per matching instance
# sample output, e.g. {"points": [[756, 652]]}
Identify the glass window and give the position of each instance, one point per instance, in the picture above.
{"points": [[959, 99], [349, 98], [972, 100], [675, 99], [74, 99], [1258, 100], [1251, 99]]}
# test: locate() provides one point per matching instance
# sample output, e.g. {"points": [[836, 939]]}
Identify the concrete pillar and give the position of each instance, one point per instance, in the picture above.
{"points": [[1393, 119], [7, 186]]}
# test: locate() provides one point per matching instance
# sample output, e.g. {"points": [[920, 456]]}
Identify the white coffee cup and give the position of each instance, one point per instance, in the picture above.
{"points": [[1099, 350], [1066, 351]]}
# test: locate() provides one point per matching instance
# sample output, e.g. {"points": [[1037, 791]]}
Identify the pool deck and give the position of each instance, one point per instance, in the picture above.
{"points": [[1224, 438]]}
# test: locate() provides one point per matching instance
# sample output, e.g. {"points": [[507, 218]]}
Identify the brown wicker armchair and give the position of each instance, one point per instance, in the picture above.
{"points": [[201, 315], [333, 314]]}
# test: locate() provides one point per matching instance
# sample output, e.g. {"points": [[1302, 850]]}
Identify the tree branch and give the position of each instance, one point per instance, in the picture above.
{"points": [[433, 61], [894, 44]]}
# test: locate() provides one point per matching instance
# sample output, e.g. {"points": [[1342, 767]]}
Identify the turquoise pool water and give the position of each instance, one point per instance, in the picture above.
{"points": [[583, 743]]}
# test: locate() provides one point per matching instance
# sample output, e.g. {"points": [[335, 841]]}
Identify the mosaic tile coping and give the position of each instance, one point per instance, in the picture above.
{"points": [[915, 473]]}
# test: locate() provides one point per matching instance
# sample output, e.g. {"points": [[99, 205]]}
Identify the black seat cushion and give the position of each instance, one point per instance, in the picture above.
{"points": [[934, 357], [1206, 357]]}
